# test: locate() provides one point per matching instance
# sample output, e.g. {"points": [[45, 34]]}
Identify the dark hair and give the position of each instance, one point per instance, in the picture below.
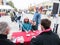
{"points": [[46, 23], [37, 9], [25, 21]]}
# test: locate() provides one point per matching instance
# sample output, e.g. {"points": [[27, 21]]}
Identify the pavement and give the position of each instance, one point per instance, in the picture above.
{"points": [[14, 26]]}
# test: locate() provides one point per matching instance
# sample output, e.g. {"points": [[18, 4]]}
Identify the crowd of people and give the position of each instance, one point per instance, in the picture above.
{"points": [[46, 37], [26, 24], [32, 25]]}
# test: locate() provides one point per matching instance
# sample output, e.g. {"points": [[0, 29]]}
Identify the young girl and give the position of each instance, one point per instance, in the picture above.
{"points": [[26, 26]]}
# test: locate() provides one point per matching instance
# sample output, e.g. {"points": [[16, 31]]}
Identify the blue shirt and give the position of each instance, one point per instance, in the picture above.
{"points": [[26, 26], [37, 18]]}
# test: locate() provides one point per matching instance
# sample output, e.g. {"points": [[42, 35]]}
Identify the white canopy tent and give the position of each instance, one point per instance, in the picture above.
{"points": [[5, 7]]}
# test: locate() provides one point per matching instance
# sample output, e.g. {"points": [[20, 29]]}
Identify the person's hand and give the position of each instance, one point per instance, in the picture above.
{"points": [[38, 24], [29, 31], [33, 36], [33, 30], [22, 39], [26, 31]]}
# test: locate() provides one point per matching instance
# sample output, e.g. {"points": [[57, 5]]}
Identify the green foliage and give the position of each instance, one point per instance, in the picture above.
{"points": [[12, 5], [11, 14]]}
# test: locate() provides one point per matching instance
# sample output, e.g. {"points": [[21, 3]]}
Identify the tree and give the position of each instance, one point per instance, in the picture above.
{"points": [[12, 5]]}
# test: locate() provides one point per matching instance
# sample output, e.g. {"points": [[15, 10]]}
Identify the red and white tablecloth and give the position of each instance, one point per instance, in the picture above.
{"points": [[26, 36]]}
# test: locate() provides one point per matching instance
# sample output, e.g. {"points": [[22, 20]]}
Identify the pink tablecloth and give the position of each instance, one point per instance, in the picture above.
{"points": [[27, 39]]}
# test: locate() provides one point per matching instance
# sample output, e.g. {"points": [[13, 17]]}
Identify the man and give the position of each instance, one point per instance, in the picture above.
{"points": [[12, 16], [37, 17], [56, 24], [18, 19], [47, 37], [4, 30]]}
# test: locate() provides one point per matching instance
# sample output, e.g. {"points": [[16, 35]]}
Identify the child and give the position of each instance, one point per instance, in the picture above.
{"points": [[34, 27], [26, 26]]}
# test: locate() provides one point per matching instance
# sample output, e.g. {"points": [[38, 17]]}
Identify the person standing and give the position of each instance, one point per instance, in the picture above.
{"points": [[15, 16], [37, 17], [46, 37], [18, 19], [56, 24], [12, 16], [4, 31]]}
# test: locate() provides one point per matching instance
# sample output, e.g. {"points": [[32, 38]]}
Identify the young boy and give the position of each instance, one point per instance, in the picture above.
{"points": [[34, 27]]}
